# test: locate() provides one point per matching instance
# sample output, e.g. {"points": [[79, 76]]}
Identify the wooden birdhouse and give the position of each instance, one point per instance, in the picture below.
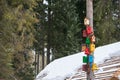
{"points": [[87, 40], [83, 47], [92, 39], [85, 59], [94, 66], [92, 47], [84, 67], [84, 33], [87, 52], [90, 59], [86, 21], [89, 30]]}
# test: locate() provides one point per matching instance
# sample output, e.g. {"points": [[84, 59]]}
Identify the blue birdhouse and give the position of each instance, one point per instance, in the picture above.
{"points": [[90, 59]]}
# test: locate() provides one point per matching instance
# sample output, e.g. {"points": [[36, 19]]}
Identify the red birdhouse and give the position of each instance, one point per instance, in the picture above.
{"points": [[87, 52], [89, 30], [84, 33], [84, 67], [92, 38]]}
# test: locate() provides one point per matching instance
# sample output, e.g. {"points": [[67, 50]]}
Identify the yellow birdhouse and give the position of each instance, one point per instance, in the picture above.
{"points": [[94, 66], [92, 47], [86, 21]]}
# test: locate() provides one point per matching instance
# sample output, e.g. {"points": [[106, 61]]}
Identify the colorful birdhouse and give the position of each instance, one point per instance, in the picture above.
{"points": [[92, 38], [84, 67], [87, 52], [90, 59], [84, 33], [83, 47], [86, 21], [94, 66], [92, 47], [87, 41], [85, 59], [89, 30]]}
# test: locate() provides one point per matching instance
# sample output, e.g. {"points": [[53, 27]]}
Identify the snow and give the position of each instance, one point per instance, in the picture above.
{"points": [[111, 65], [104, 52], [64, 67], [107, 71], [45, 2]]}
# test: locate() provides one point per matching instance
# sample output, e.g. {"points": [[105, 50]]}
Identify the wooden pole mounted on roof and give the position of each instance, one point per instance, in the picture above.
{"points": [[89, 15]]}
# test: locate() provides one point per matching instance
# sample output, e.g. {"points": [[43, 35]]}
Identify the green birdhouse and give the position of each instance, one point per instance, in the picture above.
{"points": [[85, 60], [87, 41]]}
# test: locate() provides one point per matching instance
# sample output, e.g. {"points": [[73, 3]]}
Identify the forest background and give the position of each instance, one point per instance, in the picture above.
{"points": [[28, 26]]}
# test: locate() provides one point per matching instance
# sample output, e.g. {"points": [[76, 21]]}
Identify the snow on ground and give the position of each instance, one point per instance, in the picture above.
{"points": [[66, 66]]}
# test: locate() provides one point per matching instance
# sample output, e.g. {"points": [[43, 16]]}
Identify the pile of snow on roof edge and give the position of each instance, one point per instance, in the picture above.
{"points": [[59, 69]]}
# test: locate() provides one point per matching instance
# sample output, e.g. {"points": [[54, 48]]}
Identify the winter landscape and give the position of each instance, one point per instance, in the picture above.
{"points": [[68, 66], [59, 39]]}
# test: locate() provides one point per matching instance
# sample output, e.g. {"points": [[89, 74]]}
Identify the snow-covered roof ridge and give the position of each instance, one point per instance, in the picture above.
{"points": [[103, 52], [62, 66], [66, 66]]}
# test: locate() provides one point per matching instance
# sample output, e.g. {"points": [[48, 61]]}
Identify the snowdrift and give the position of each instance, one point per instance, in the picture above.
{"points": [[61, 68]]}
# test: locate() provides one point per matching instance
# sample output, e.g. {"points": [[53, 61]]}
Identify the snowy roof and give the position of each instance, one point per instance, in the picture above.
{"points": [[59, 69]]}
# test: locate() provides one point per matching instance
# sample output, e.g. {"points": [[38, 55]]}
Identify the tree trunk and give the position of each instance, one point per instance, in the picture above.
{"points": [[38, 58], [35, 64], [43, 59], [49, 33], [89, 15]]}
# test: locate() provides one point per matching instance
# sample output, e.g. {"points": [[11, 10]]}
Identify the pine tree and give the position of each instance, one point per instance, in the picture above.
{"points": [[6, 47], [105, 22], [65, 28], [23, 38], [59, 23], [17, 36], [116, 17], [40, 35]]}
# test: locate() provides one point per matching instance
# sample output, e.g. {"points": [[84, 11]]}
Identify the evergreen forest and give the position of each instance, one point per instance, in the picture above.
{"points": [[35, 32]]}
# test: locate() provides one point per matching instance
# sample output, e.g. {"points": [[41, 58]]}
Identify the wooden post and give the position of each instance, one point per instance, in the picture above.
{"points": [[89, 11], [89, 15]]}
